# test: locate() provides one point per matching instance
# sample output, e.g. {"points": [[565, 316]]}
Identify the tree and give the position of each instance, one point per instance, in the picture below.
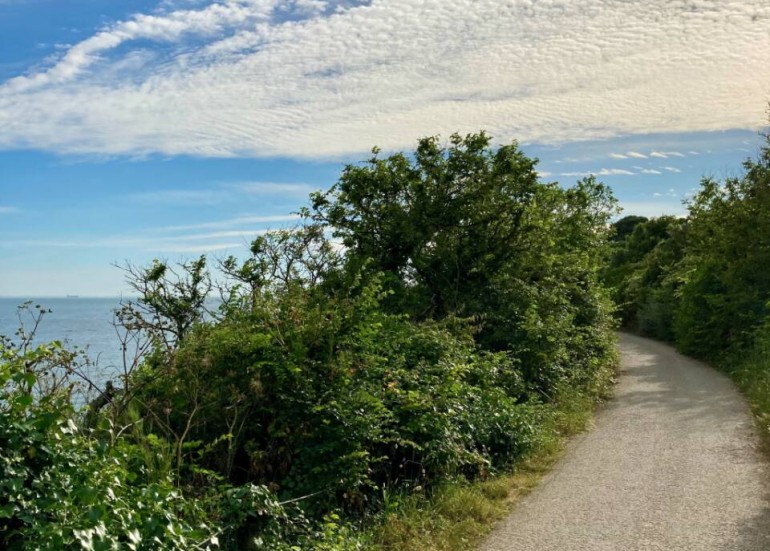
{"points": [[638, 266], [469, 230], [727, 283]]}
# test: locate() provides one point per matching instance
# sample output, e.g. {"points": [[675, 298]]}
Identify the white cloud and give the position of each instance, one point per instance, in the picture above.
{"points": [[154, 242], [274, 189], [666, 154], [232, 222], [196, 249], [615, 172], [223, 193], [670, 169], [602, 172], [618, 156], [320, 79], [650, 171], [311, 6], [179, 197], [636, 155]]}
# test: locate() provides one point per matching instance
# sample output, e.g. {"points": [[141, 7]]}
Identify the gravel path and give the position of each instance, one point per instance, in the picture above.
{"points": [[672, 463]]}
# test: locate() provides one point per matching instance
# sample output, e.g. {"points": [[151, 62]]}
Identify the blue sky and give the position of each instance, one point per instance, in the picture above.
{"points": [[137, 129]]}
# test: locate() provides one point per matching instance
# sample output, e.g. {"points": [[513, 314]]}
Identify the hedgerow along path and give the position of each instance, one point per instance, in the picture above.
{"points": [[673, 463]]}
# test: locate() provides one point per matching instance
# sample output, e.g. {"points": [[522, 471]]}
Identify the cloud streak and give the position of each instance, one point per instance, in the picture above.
{"points": [[233, 192], [232, 234], [317, 79], [666, 154], [150, 243], [233, 222], [601, 172]]}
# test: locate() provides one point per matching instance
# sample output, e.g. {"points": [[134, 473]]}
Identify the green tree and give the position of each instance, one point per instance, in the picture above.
{"points": [[440, 224], [643, 261], [727, 284], [469, 230]]}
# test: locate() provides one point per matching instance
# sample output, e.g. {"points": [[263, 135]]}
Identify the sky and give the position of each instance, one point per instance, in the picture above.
{"points": [[141, 129]]}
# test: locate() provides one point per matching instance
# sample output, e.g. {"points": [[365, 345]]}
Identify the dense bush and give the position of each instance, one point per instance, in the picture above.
{"points": [[65, 487], [643, 273], [433, 343], [60, 488], [323, 393]]}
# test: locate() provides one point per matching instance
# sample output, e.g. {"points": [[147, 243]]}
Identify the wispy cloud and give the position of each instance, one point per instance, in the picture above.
{"points": [[308, 78], [650, 171], [666, 154], [601, 172], [179, 197], [636, 155], [4, 209], [223, 193], [199, 248], [231, 223], [671, 169], [190, 243], [148, 242], [274, 189]]}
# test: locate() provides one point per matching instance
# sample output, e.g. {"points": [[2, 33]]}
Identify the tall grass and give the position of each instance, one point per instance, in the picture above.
{"points": [[750, 369]]}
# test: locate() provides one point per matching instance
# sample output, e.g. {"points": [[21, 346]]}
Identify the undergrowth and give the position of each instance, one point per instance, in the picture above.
{"points": [[457, 515], [750, 370]]}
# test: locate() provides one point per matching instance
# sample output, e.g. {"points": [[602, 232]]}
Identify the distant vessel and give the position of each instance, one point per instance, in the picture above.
{"points": [[73, 296]]}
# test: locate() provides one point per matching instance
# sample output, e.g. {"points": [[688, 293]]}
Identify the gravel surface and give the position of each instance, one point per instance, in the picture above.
{"points": [[673, 462]]}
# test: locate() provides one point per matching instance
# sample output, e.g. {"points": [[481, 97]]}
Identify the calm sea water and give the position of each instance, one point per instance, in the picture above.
{"points": [[82, 322]]}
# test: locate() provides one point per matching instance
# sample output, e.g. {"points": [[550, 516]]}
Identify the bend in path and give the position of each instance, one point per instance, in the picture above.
{"points": [[671, 464]]}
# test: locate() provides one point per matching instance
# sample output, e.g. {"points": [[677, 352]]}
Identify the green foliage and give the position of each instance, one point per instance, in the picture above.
{"points": [[750, 368], [467, 294], [701, 281], [62, 489], [728, 284], [625, 226], [440, 225], [464, 306], [469, 231], [333, 396], [642, 272]]}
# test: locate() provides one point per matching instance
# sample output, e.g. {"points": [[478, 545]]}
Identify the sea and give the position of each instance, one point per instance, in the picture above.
{"points": [[86, 323]]}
